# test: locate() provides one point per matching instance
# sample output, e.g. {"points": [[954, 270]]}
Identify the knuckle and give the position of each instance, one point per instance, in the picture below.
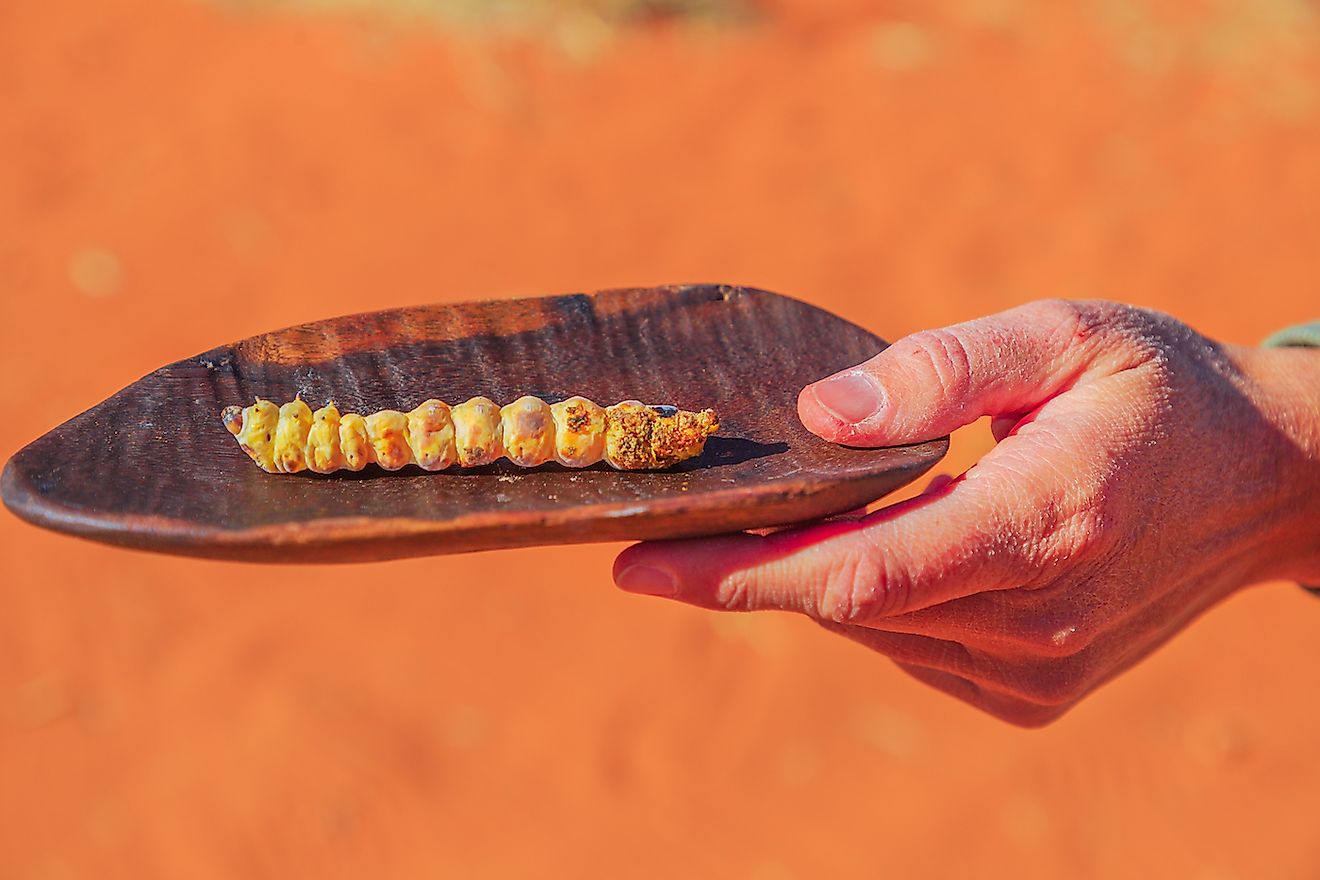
{"points": [[891, 585], [735, 592], [943, 355], [1056, 620], [1136, 334], [1088, 533], [1037, 541], [856, 589], [1066, 533], [1056, 636], [1064, 313], [847, 595], [1074, 322]]}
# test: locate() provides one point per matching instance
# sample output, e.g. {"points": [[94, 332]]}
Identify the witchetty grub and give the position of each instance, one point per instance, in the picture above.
{"points": [[576, 432]]}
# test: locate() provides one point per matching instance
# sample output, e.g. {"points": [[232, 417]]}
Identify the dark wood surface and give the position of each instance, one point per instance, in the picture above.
{"points": [[153, 467]]}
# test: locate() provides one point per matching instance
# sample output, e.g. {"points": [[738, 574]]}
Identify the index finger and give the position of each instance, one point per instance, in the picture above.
{"points": [[959, 540]]}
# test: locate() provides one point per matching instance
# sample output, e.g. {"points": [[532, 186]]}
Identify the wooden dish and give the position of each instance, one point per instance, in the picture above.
{"points": [[153, 467]]}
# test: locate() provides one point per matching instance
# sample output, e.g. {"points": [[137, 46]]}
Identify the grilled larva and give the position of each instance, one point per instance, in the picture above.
{"points": [[629, 436]]}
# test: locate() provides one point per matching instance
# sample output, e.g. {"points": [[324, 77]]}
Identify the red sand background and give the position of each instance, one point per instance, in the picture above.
{"points": [[175, 174]]}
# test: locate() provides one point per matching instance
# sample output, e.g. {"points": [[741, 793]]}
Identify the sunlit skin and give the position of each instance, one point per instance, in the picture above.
{"points": [[1142, 474]]}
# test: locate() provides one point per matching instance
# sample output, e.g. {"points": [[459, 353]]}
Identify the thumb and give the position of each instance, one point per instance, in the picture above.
{"points": [[930, 383]]}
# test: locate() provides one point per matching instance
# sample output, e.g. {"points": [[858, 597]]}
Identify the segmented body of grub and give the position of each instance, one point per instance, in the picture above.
{"points": [[576, 432]]}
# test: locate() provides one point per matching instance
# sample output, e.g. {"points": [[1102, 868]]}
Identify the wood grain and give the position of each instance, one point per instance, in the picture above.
{"points": [[153, 468]]}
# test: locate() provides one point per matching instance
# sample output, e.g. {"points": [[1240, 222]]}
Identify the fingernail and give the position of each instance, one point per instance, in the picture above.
{"points": [[647, 580], [851, 397]]}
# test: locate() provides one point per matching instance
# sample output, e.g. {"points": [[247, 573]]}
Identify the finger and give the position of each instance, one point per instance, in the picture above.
{"points": [[953, 669], [930, 383], [1056, 621], [1017, 627], [1023, 713], [938, 654], [1002, 426], [1046, 626], [986, 672], [937, 482], [957, 541]]}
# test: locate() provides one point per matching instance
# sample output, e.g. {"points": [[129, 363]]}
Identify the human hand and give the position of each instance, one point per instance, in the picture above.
{"points": [[1142, 474]]}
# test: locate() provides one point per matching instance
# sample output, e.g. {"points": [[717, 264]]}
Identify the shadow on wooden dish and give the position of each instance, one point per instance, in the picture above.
{"points": [[153, 467]]}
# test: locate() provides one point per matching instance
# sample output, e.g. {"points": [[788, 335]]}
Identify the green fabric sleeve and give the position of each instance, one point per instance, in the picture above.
{"points": [[1302, 335]]}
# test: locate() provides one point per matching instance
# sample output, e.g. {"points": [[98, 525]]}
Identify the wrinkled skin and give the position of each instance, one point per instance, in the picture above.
{"points": [[1142, 474]]}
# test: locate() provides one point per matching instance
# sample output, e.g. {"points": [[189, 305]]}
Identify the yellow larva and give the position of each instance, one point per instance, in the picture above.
{"points": [[628, 436]]}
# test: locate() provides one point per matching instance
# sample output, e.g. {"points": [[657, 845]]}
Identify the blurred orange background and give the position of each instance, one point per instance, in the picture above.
{"points": [[180, 173]]}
